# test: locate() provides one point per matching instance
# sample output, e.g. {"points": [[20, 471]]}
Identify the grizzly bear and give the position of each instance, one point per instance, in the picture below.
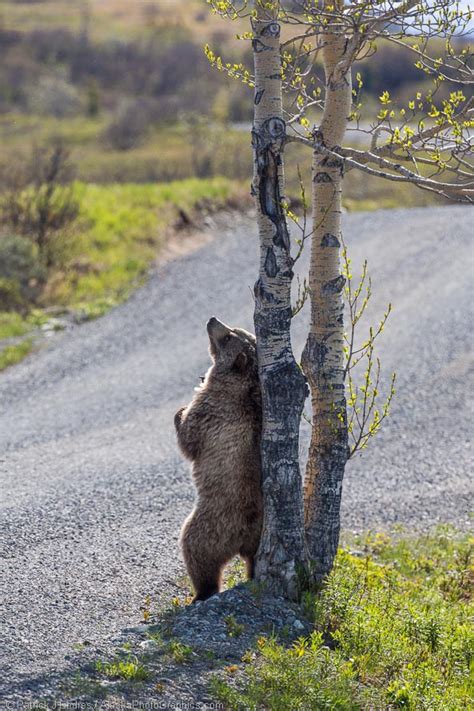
{"points": [[219, 431]]}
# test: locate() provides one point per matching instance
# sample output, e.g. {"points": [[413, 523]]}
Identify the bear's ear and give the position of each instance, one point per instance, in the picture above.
{"points": [[240, 363]]}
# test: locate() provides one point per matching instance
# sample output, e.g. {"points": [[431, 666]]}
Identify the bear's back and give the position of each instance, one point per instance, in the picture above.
{"points": [[230, 451]]}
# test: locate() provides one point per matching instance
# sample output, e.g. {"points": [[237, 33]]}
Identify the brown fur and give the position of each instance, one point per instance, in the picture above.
{"points": [[219, 431]]}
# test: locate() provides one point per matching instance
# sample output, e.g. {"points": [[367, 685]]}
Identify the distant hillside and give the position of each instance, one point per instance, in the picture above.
{"points": [[62, 58]]}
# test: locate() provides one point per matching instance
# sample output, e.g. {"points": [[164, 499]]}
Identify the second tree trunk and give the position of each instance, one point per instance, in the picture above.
{"points": [[323, 355]]}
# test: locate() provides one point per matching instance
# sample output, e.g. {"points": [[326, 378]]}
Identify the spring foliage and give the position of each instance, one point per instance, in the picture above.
{"points": [[391, 630]]}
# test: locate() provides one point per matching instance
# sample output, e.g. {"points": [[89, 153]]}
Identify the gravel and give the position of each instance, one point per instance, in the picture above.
{"points": [[93, 488]]}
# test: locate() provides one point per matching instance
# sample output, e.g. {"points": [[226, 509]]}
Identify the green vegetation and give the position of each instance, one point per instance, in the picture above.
{"points": [[12, 324], [11, 355], [126, 97], [234, 628], [176, 650], [234, 573], [180, 152], [119, 232], [129, 669], [179, 652], [167, 152], [392, 630], [116, 236]]}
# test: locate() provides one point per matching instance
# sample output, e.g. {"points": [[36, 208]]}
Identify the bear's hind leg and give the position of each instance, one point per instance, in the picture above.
{"points": [[205, 575], [203, 568]]}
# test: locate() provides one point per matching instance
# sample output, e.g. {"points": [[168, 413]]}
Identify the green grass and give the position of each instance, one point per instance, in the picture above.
{"points": [[10, 355], [109, 249], [393, 629], [12, 324], [173, 648], [119, 233], [15, 325], [179, 652], [129, 669]]}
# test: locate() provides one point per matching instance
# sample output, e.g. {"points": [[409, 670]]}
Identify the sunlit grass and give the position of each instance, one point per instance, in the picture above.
{"points": [[392, 629], [12, 324], [119, 233], [10, 355], [129, 669]]}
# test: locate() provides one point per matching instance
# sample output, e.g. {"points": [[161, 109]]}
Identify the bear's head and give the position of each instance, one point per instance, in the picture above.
{"points": [[232, 349]]}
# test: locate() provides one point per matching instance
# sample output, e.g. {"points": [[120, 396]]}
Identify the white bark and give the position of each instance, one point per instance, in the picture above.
{"points": [[323, 357]]}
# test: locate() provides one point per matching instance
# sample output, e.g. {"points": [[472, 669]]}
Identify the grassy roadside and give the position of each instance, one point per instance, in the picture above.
{"points": [[117, 235], [126, 213], [391, 630]]}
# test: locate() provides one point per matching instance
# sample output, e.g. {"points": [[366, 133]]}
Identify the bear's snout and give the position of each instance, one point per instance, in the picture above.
{"points": [[217, 329]]}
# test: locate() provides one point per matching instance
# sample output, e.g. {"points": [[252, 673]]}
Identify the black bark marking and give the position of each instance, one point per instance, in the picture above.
{"points": [[271, 266], [333, 162], [314, 353], [271, 30], [258, 46], [275, 127], [335, 286], [330, 240], [261, 294], [323, 528], [255, 139], [322, 177], [281, 320], [267, 145], [318, 137], [257, 289], [258, 96]]}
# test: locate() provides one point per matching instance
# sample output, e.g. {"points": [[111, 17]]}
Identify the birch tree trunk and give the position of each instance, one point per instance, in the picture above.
{"points": [[282, 547], [323, 356]]}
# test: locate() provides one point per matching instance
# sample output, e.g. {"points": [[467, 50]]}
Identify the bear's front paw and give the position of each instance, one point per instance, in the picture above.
{"points": [[178, 417]]}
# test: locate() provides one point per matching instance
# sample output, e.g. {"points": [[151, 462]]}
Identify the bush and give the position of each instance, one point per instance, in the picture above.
{"points": [[11, 298], [129, 128], [19, 264], [40, 202], [54, 97]]}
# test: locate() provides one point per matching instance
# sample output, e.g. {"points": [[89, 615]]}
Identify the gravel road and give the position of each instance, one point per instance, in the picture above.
{"points": [[93, 488]]}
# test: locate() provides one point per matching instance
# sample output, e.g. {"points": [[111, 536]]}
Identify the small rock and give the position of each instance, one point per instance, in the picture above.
{"points": [[53, 325], [147, 644]]}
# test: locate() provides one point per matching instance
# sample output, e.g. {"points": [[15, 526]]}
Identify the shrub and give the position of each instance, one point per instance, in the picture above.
{"points": [[19, 264], [11, 298], [40, 201], [128, 128], [54, 97]]}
